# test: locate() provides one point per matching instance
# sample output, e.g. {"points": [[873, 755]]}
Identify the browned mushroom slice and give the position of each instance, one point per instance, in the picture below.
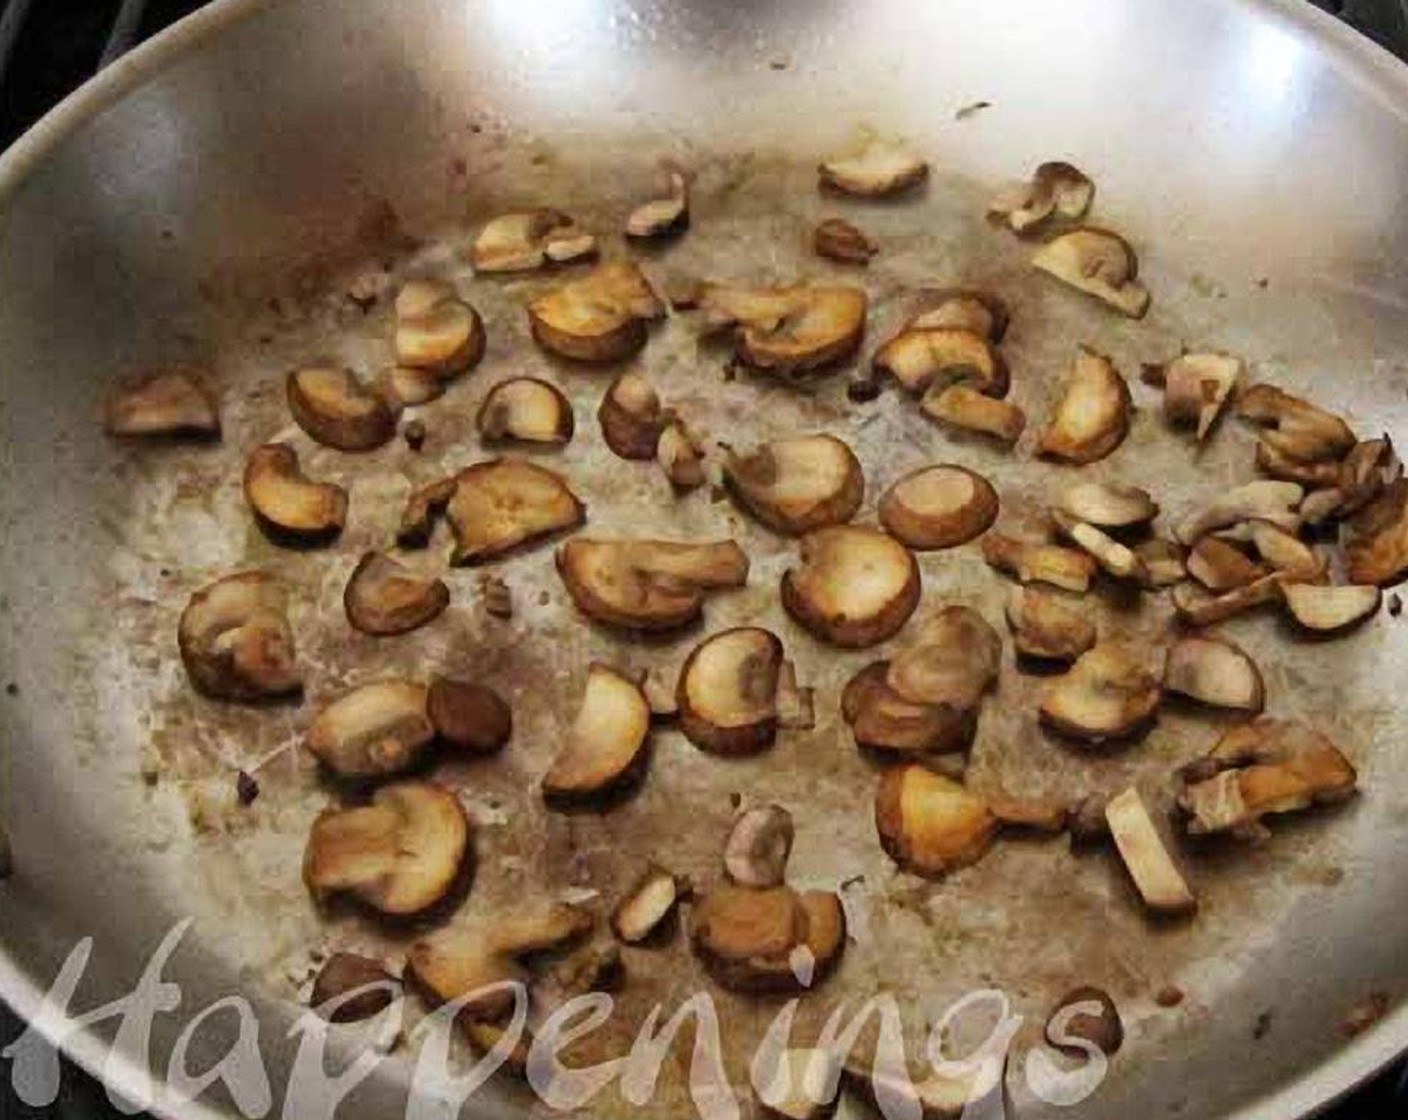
{"points": [[939, 507], [600, 317], [337, 410], [1215, 672], [647, 906], [1033, 814], [1099, 263], [1109, 507], [373, 731], [681, 457], [424, 505], [789, 331], [287, 501], [882, 720], [235, 639], [386, 597], [1039, 563], [727, 691], [605, 747], [645, 584], [1220, 566], [1047, 626], [796, 706], [525, 409], [1265, 499], [1294, 428], [1376, 538], [1163, 562], [1366, 472], [631, 416], [840, 241], [966, 309], [1198, 608], [405, 386], [166, 403], [1108, 694], [1119, 560], [799, 484], [875, 171], [1146, 856], [1311, 475], [528, 240], [436, 331], [746, 936], [666, 214], [400, 854], [1056, 190], [952, 660], [504, 503], [1329, 610], [855, 586], [802, 1086], [930, 824], [470, 717], [756, 852], [1284, 552], [963, 407], [1092, 417], [344, 974], [931, 359], [1196, 387]]}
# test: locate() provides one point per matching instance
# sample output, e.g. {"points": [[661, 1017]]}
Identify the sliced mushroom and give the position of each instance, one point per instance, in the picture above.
{"points": [[1284, 552], [342, 975], [528, 240], [930, 824], [1366, 472], [404, 387], [525, 409], [631, 416], [727, 691], [235, 639], [1107, 694], [877, 170], [963, 407], [373, 731], [1047, 626], [1310, 475], [1264, 499], [469, 717], [803, 1086], [789, 331], [436, 331], [799, 484], [605, 747], [600, 317], [1376, 538], [1109, 507], [666, 214], [939, 507], [337, 410], [647, 906], [840, 241], [400, 854], [1145, 855], [1034, 814], [1163, 562], [1056, 190], [1329, 610], [1092, 417], [385, 597], [162, 404], [747, 936], [1196, 387], [1119, 560], [1294, 428], [1215, 672], [504, 503], [854, 587], [286, 501], [1098, 262], [647, 584], [796, 706], [933, 358], [883, 720], [1220, 566], [1039, 563], [681, 457], [967, 309], [423, 507], [1198, 608], [952, 660]]}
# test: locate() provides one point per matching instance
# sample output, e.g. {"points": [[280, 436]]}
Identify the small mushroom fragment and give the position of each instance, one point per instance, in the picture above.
{"points": [[796, 706], [436, 333], [501, 504], [1047, 626], [854, 586], [605, 747], [527, 410], [758, 847], [647, 906], [727, 691], [345, 973], [1155, 875], [1376, 538], [1107, 694], [495, 596], [1198, 608], [600, 317], [337, 410], [1119, 560], [664, 215], [400, 854], [528, 240], [235, 639], [883, 720], [1220, 566], [803, 1086], [385, 597], [373, 731], [1163, 562], [1196, 387], [1294, 428], [1092, 417], [1109, 507], [1216, 672], [930, 359], [1034, 814], [1056, 190], [681, 457], [647, 584], [469, 717], [286, 501], [967, 309], [840, 241], [789, 331], [631, 416], [424, 505], [1039, 563], [1087, 1014], [747, 936], [168, 403], [660, 695], [937, 507], [1098, 262], [1331, 610], [965, 408], [876, 171], [797, 485], [1265, 499], [929, 824]]}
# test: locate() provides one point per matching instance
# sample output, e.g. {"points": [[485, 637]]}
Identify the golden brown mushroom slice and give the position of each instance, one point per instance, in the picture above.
{"points": [[1220, 566], [1047, 626], [965, 408], [1107, 694], [727, 691], [854, 586], [930, 359], [1273, 463], [1119, 560], [600, 317], [789, 331], [525, 410], [337, 410], [468, 716], [631, 416], [373, 731], [385, 597], [936, 507], [647, 907], [1107, 506], [404, 387], [1159, 882], [529, 239], [286, 501], [883, 720], [235, 639], [1216, 672], [839, 241], [966, 309], [1163, 562], [166, 404], [647, 584], [437, 334], [929, 824], [746, 936], [1091, 418], [503, 504], [758, 846], [1028, 562], [605, 747], [424, 506], [1099, 263], [799, 484], [877, 170], [1282, 551], [1331, 610], [1057, 190], [1376, 538], [1200, 608], [1196, 387], [1262, 500], [666, 214], [400, 855], [1295, 428]]}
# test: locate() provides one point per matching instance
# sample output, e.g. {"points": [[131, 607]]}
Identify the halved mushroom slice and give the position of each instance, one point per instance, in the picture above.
{"points": [[1163, 562], [681, 456], [1294, 428], [647, 906], [469, 717], [1040, 563], [933, 358], [166, 403], [962, 406], [882, 720], [605, 747], [600, 317], [1196, 387], [423, 506], [1098, 262], [526, 409], [1220, 566], [666, 214], [1215, 672], [840, 241], [373, 731], [400, 855], [758, 847], [1092, 417], [789, 331], [504, 503], [436, 331], [235, 639], [877, 170], [952, 660], [746, 936], [1376, 538], [337, 410], [1145, 855], [286, 501], [939, 507], [1048, 627], [1108, 693], [855, 586], [1329, 610], [385, 597], [727, 691], [524, 241], [799, 484], [966, 309], [1056, 190], [647, 584], [1265, 500], [1119, 560], [631, 416], [1310, 475], [1198, 608], [1109, 507], [930, 824]]}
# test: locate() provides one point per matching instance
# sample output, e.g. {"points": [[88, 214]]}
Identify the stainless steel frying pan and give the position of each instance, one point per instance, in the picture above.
{"points": [[210, 197]]}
